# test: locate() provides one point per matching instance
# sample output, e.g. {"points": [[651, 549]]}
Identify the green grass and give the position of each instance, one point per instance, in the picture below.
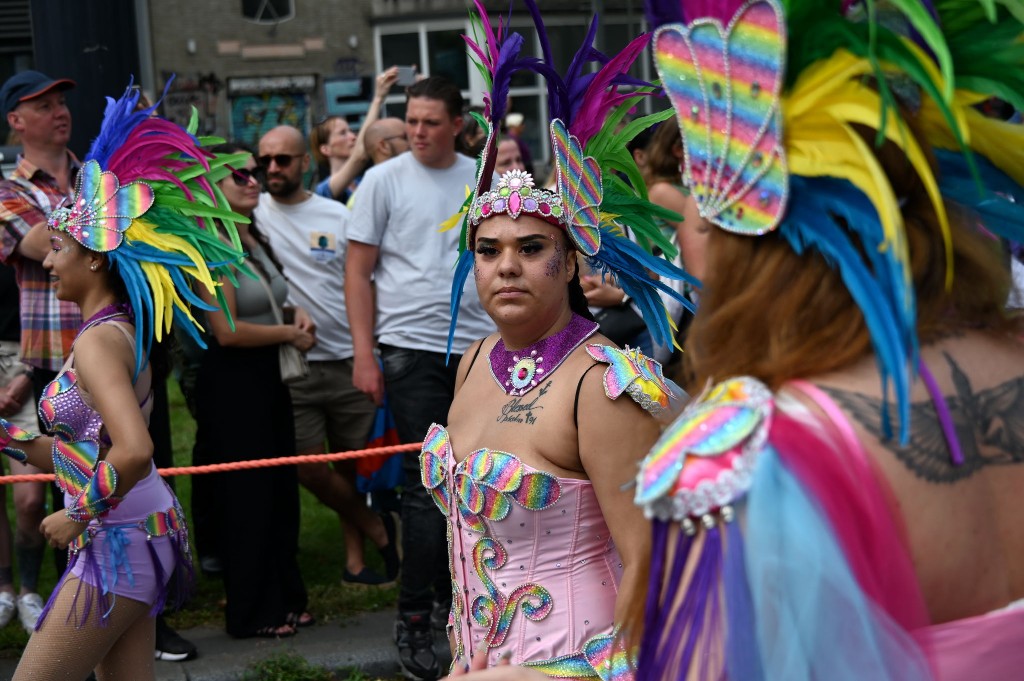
{"points": [[290, 666], [286, 667], [321, 557]]}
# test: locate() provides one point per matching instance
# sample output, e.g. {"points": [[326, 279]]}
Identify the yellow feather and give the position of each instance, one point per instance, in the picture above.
{"points": [[454, 220], [146, 232], [818, 112], [1000, 142]]}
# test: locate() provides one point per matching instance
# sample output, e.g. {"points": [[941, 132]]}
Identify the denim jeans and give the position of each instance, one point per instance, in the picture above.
{"points": [[420, 389]]}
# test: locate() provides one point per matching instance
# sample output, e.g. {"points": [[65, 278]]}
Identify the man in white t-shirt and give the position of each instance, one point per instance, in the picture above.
{"points": [[395, 241], [308, 235]]}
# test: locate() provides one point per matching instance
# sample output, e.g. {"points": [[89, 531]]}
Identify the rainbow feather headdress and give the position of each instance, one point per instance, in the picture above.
{"points": [[768, 94], [600, 198], [147, 197]]}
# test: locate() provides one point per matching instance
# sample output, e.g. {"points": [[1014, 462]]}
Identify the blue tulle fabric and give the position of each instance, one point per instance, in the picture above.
{"points": [[812, 619]]}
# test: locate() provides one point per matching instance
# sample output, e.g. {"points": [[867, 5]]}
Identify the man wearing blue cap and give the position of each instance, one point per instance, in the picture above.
{"points": [[34, 106]]}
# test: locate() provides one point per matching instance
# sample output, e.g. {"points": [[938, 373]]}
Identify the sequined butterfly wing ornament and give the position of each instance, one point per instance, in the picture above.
{"points": [[705, 459], [579, 185], [488, 481], [102, 209], [724, 82], [630, 371]]}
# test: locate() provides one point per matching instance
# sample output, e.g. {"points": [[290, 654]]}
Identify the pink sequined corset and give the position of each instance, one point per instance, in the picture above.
{"points": [[534, 569]]}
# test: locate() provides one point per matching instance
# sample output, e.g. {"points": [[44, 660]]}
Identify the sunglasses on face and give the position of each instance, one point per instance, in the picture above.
{"points": [[243, 176], [282, 160]]}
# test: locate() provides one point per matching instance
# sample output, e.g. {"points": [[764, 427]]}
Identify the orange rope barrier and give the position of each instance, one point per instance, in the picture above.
{"points": [[242, 465]]}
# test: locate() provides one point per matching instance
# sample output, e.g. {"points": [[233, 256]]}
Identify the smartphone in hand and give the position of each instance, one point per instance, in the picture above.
{"points": [[406, 76]]}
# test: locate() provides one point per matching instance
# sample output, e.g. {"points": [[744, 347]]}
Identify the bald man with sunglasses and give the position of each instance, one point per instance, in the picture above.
{"points": [[309, 236]]}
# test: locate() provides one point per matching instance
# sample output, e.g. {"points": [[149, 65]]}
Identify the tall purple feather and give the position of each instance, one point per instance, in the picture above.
{"points": [[123, 119], [558, 100], [600, 97]]}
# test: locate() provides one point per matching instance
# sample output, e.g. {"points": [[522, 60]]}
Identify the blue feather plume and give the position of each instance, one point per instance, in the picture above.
{"points": [[999, 203], [811, 224], [463, 266]]}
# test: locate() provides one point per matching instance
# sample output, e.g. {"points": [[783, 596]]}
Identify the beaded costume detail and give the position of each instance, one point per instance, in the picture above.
{"points": [[518, 372], [77, 432], [726, 81], [516, 195]]}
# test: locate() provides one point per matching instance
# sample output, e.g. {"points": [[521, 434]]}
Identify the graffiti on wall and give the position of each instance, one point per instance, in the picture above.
{"points": [[253, 115], [259, 103]]}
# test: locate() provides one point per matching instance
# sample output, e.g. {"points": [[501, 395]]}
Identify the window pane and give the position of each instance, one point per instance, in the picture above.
{"points": [[617, 36], [535, 135], [447, 53], [565, 41], [268, 11], [526, 78], [400, 49], [395, 109]]}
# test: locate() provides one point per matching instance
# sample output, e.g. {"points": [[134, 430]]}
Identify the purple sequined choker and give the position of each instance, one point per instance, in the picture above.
{"points": [[518, 372], [109, 312]]}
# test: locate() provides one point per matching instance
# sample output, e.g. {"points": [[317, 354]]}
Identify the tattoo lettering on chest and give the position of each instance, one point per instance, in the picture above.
{"points": [[989, 425], [519, 410]]}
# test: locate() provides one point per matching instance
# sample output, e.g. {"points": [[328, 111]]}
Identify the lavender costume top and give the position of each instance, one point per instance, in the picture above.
{"points": [[132, 550], [550, 608]]}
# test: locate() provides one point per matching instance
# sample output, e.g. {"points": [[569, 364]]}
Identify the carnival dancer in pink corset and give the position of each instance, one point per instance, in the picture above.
{"points": [[138, 230], [548, 420]]}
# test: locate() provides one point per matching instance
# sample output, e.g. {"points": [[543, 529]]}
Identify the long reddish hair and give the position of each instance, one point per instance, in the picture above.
{"points": [[770, 313], [767, 312]]}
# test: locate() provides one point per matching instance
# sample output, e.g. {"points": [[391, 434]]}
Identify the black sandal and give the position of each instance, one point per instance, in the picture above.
{"points": [[298, 620], [286, 630]]}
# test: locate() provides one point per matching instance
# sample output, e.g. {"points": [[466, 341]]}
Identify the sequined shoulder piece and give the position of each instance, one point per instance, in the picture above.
{"points": [[434, 458], [705, 460], [631, 371]]}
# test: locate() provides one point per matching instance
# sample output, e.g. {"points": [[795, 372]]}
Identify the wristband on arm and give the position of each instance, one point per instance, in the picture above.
{"points": [[97, 497], [11, 433]]}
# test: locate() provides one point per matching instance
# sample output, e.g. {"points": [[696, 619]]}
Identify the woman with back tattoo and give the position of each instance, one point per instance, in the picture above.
{"points": [[844, 503]]}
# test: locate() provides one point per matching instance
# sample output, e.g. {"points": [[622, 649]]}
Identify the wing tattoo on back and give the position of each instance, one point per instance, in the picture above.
{"points": [[989, 424]]}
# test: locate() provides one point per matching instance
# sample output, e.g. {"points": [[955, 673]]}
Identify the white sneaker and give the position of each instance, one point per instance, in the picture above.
{"points": [[7, 608], [30, 607]]}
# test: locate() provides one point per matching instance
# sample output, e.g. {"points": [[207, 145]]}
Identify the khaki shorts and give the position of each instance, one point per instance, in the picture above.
{"points": [[327, 407], [10, 368]]}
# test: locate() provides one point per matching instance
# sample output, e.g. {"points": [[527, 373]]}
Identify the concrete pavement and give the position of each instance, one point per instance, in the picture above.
{"points": [[361, 642]]}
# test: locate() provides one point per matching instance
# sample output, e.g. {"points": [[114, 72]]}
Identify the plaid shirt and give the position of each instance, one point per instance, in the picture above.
{"points": [[48, 325]]}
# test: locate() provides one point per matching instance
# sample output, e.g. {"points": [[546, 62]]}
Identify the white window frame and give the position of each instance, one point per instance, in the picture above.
{"points": [[474, 95]]}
